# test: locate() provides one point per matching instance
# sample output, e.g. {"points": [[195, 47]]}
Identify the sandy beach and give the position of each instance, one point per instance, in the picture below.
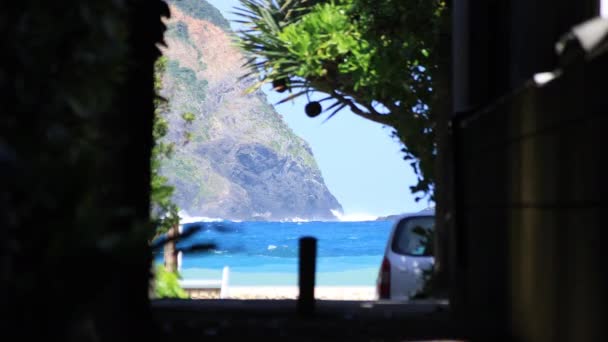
{"points": [[289, 292]]}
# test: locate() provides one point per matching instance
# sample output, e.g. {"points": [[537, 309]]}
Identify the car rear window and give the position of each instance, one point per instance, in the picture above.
{"points": [[408, 240]]}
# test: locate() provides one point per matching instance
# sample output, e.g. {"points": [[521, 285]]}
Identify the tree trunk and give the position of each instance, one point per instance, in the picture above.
{"points": [[170, 250]]}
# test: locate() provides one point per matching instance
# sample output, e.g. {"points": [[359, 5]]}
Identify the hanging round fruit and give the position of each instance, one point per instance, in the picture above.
{"points": [[280, 85], [313, 109]]}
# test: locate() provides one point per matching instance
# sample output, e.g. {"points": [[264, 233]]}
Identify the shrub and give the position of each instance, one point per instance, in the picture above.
{"points": [[166, 284]]}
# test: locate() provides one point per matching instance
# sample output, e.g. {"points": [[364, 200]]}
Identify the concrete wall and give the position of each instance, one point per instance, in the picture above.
{"points": [[530, 232]]}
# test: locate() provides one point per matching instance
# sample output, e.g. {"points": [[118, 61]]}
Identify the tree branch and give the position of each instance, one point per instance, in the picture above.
{"points": [[384, 119]]}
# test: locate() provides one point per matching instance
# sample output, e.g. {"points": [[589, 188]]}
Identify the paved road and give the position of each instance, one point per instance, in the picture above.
{"points": [[219, 320]]}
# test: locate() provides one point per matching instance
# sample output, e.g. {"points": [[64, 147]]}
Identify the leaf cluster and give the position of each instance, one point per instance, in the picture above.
{"points": [[166, 284], [164, 211], [375, 58]]}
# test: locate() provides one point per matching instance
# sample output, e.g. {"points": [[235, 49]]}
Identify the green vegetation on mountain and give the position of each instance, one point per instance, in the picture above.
{"points": [[201, 9], [194, 87]]}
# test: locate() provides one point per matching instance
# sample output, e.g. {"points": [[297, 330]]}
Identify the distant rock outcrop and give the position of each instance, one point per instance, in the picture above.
{"points": [[395, 217], [389, 218], [238, 159]]}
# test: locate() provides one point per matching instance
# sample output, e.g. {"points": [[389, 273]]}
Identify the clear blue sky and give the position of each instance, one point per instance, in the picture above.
{"points": [[360, 162]]}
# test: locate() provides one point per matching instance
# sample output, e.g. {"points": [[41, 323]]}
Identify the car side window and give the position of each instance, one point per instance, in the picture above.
{"points": [[413, 236]]}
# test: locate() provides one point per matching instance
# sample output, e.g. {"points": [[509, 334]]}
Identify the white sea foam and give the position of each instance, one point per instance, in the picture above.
{"points": [[185, 218], [271, 247], [295, 219], [358, 217]]}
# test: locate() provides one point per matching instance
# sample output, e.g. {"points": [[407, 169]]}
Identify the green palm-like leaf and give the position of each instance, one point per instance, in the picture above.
{"points": [[360, 53]]}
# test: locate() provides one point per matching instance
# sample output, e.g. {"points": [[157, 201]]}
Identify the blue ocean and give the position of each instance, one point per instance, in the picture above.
{"points": [[266, 253]]}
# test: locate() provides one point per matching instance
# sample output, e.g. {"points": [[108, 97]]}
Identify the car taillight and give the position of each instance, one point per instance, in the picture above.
{"points": [[384, 280]]}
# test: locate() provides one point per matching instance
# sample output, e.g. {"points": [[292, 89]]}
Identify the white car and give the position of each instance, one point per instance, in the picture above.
{"points": [[407, 255]]}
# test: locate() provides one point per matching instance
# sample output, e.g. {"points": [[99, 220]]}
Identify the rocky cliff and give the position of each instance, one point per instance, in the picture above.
{"points": [[237, 159]]}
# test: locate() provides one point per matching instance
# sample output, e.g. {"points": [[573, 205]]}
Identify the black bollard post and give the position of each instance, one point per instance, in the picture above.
{"points": [[306, 275]]}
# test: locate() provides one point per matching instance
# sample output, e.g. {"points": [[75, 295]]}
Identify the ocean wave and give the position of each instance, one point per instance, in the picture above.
{"points": [[358, 217], [184, 218], [295, 220]]}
